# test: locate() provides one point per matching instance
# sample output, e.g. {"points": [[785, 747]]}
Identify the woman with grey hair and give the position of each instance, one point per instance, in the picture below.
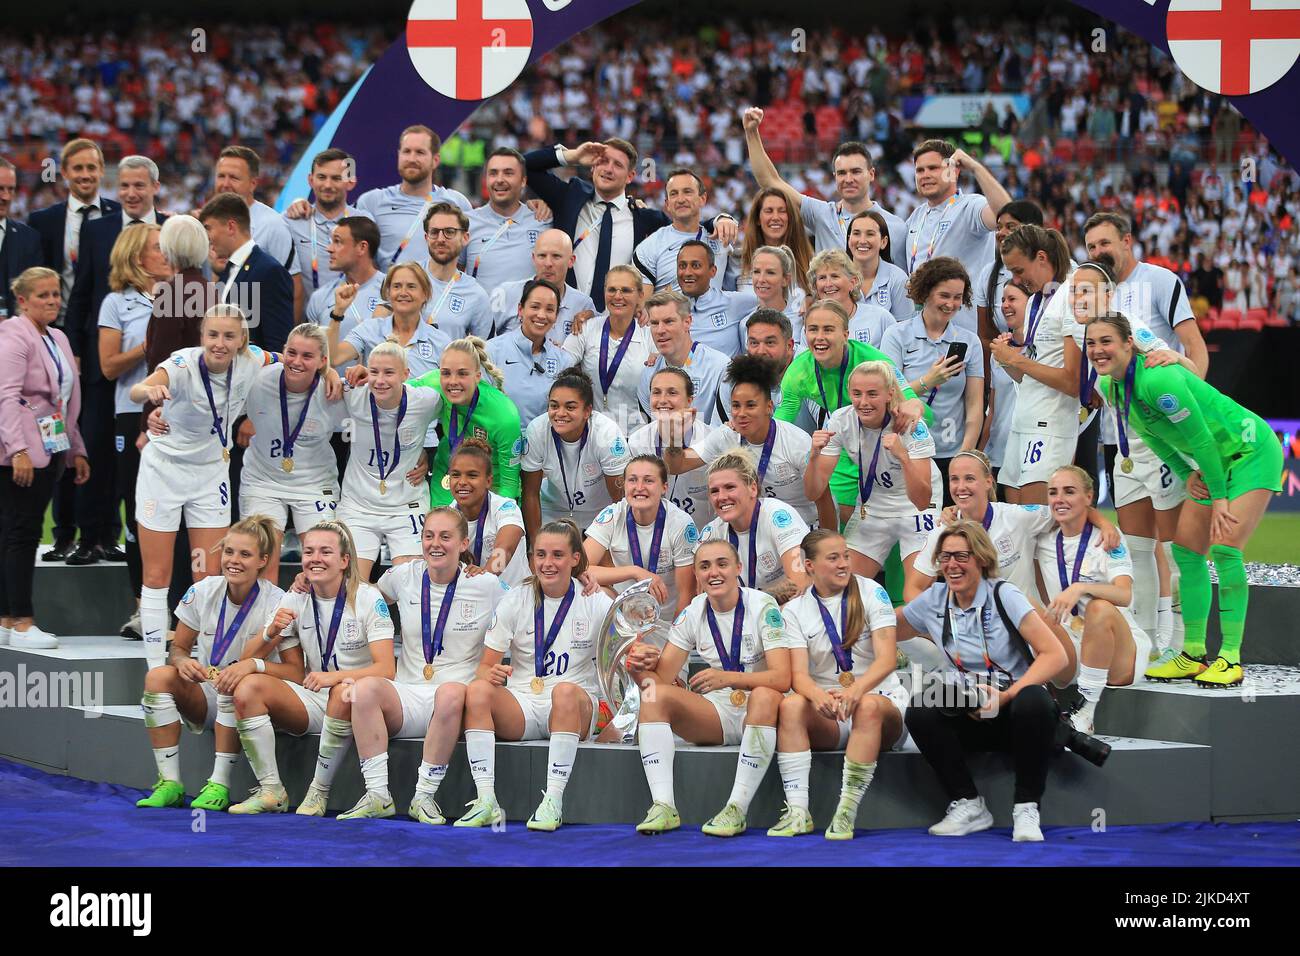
{"points": [[179, 306]]}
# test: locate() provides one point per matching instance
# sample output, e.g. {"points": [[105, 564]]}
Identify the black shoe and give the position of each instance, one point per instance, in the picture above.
{"points": [[111, 552], [85, 554], [60, 551]]}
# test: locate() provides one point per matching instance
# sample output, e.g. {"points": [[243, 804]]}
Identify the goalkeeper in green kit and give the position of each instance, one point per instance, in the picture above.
{"points": [[1232, 463]]}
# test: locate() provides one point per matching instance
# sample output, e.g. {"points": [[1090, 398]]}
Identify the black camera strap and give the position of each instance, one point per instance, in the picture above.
{"points": [[1013, 631]]}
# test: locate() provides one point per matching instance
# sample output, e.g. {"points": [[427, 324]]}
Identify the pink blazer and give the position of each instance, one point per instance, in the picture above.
{"points": [[25, 374]]}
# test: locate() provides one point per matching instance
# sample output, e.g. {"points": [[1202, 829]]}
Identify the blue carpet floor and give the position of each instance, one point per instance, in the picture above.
{"points": [[61, 821]]}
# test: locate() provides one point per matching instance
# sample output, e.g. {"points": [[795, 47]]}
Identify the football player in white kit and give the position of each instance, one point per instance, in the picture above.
{"points": [[221, 612], [382, 499], [662, 546], [496, 524], [765, 533], [1013, 529], [898, 482], [549, 689], [843, 668], [1045, 427], [186, 471], [676, 424], [612, 348], [782, 449], [739, 633], [290, 471], [444, 614], [573, 458], [345, 632], [1089, 589]]}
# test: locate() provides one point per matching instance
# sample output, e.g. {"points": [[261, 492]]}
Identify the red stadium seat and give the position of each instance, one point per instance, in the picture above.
{"points": [[1228, 320], [1275, 320], [1253, 320], [1206, 323]]}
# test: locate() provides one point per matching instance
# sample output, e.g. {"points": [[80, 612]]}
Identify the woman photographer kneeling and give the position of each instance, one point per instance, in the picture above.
{"points": [[991, 636]]}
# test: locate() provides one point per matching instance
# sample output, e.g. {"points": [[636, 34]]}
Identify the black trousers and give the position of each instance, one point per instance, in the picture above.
{"points": [[63, 508], [99, 517], [22, 517], [1026, 729], [127, 466], [1085, 452], [944, 464]]}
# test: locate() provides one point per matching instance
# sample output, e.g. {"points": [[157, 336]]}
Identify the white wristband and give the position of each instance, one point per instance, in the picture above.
{"points": [[260, 665]]}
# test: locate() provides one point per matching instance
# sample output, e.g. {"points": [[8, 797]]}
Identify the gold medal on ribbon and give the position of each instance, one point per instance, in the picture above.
{"points": [[287, 465], [1126, 466], [737, 698], [213, 672], [1083, 415], [537, 685], [383, 487], [1076, 624], [863, 512], [225, 454], [428, 672], [446, 483], [846, 678]]}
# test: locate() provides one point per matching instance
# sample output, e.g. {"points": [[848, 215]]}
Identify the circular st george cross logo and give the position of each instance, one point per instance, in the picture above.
{"points": [[469, 49], [1234, 47]]}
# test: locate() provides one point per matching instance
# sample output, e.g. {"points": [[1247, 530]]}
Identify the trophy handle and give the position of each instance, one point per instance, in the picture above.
{"points": [[613, 643]]}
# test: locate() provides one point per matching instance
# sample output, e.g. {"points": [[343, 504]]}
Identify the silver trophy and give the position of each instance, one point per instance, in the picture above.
{"points": [[633, 616]]}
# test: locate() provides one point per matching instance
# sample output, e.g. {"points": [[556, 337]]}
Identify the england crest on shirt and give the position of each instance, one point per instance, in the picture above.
{"points": [[719, 320], [532, 237], [943, 227], [551, 367], [372, 303], [456, 303], [425, 349]]}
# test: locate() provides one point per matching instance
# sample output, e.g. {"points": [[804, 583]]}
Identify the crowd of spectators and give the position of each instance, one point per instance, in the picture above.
{"points": [[1111, 123]]}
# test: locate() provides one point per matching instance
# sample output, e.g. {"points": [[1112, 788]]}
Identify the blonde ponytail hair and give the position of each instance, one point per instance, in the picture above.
{"points": [[476, 349], [261, 528], [886, 372]]}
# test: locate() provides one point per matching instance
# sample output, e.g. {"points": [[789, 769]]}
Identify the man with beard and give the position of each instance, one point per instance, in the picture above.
{"points": [[502, 233], [459, 305], [333, 176]]}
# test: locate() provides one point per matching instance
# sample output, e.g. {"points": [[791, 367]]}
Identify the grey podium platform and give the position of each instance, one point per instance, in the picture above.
{"points": [[1253, 732], [1144, 781], [92, 599]]}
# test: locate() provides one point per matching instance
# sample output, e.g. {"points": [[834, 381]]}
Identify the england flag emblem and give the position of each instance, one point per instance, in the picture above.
{"points": [[1234, 47], [469, 49]]}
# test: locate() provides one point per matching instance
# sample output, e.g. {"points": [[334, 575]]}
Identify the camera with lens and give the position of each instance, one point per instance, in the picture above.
{"points": [[1077, 742], [964, 692]]}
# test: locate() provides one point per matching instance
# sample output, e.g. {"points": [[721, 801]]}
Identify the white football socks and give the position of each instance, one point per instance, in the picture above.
{"points": [[335, 739], [795, 769], [657, 751], [757, 745], [258, 739], [562, 752], [481, 749]]}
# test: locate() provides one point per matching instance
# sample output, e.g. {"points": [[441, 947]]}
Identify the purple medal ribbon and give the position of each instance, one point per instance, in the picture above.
{"points": [[212, 402], [291, 437], [1087, 378], [987, 520], [843, 659], [634, 541], [1121, 419], [454, 434], [479, 524], [327, 648], [868, 479], [732, 661], [540, 647], [607, 369], [432, 641], [222, 639], [1078, 559], [766, 456], [559, 453], [397, 442], [752, 571]]}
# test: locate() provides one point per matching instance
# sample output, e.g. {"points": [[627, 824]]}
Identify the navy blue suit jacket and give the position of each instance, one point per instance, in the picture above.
{"points": [[21, 250], [264, 289], [50, 222], [89, 287], [567, 199]]}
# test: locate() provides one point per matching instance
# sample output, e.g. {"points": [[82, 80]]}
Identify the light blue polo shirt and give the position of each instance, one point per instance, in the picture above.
{"points": [[828, 224], [705, 367], [311, 243], [505, 308], [500, 248], [889, 291], [361, 309], [971, 627], [911, 349], [656, 257], [459, 307], [400, 216], [528, 376], [718, 319], [423, 352]]}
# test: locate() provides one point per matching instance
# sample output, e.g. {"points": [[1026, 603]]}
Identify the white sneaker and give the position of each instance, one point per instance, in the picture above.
{"points": [[33, 639], [963, 817], [1026, 829], [1082, 721], [4, 636]]}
